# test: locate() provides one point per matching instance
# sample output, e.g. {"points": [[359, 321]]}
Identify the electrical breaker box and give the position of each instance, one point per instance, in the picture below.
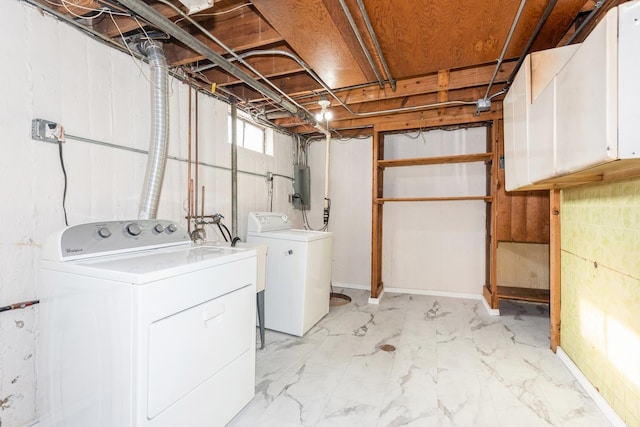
{"points": [[301, 187]]}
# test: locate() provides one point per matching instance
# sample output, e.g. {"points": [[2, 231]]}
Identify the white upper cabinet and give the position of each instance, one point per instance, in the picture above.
{"points": [[528, 117], [629, 80], [580, 111], [586, 101]]}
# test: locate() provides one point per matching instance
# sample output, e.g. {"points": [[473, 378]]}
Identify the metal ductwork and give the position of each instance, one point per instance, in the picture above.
{"points": [[159, 141]]}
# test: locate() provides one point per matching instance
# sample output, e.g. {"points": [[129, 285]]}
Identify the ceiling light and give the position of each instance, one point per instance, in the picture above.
{"points": [[323, 102]]}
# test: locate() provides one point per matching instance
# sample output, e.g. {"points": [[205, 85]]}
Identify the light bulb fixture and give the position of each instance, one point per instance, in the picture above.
{"points": [[324, 114]]}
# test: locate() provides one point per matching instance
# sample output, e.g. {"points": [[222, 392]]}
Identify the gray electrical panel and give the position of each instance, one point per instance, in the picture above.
{"points": [[301, 187]]}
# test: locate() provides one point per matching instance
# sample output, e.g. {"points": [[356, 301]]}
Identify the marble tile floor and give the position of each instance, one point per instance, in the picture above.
{"points": [[453, 365]]}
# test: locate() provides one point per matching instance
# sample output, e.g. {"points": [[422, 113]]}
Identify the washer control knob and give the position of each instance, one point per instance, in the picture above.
{"points": [[104, 232], [159, 228], [171, 228], [134, 229]]}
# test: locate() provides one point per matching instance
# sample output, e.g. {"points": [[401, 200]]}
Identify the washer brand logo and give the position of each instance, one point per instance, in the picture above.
{"points": [[73, 251]]}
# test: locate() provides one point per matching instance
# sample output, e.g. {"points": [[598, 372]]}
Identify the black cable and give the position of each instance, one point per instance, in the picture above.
{"points": [[228, 232], [64, 194], [223, 235], [19, 305], [325, 215], [305, 219]]}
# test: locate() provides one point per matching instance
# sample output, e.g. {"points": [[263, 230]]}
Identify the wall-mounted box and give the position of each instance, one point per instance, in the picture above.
{"points": [[582, 126], [301, 187]]}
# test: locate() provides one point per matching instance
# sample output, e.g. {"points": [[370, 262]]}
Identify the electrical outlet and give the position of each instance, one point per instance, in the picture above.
{"points": [[46, 131]]}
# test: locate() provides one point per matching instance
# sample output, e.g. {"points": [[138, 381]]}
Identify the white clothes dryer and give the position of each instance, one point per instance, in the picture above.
{"points": [[141, 327]]}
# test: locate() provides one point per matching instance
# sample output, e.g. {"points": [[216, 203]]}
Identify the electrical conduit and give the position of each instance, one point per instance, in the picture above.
{"points": [[327, 203], [159, 130]]}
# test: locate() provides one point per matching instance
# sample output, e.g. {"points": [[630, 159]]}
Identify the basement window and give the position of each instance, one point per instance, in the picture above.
{"points": [[251, 135]]}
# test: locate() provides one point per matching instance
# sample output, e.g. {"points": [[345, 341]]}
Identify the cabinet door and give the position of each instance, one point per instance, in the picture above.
{"points": [[542, 156], [516, 128], [628, 72], [586, 102]]}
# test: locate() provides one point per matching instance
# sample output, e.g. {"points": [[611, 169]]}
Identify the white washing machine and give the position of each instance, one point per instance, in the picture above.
{"points": [[141, 327], [298, 272]]}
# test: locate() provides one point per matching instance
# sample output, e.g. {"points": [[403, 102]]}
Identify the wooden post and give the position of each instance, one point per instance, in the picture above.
{"points": [[490, 289], [554, 269], [376, 216], [443, 89]]}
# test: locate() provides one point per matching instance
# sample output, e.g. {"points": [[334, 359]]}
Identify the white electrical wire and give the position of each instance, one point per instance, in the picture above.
{"points": [[99, 11]]}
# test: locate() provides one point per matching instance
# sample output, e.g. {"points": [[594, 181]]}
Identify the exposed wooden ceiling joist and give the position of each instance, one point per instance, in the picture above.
{"points": [[422, 41]]}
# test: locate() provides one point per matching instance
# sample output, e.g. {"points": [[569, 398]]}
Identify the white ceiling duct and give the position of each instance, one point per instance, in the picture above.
{"points": [[159, 140]]}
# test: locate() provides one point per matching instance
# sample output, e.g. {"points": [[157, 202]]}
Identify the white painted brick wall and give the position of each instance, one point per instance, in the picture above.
{"points": [[55, 72]]}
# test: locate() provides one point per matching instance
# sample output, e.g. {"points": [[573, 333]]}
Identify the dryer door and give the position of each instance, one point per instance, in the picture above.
{"points": [[191, 346]]}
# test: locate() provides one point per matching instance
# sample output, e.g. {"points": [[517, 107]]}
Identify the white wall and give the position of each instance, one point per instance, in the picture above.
{"points": [[436, 245], [350, 194], [59, 74], [427, 246]]}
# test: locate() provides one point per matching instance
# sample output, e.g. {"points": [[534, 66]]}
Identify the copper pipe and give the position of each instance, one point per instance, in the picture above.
{"points": [[189, 169], [202, 210], [195, 188]]}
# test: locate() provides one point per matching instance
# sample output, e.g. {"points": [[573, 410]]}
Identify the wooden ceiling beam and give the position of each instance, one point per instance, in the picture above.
{"points": [[466, 77], [366, 109], [269, 66], [125, 24], [431, 118], [247, 33], [75, 8], [414, 120], [289, 83], [458, 79], [177, 54]]}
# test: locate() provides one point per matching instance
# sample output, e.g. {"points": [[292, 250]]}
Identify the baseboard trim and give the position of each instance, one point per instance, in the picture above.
{"points": [[600, 401], [377, 300], [480, 297], [351, 286], [490, 311]]}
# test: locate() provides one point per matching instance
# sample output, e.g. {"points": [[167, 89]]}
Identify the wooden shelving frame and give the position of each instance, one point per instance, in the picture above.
{"points": [[378, 200], [432, 199], [436, 160], [495, 199]]}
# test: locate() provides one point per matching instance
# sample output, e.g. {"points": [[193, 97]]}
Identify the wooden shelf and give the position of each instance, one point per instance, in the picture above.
{"points": [[381, 200], [523, 294], [422, 161]]}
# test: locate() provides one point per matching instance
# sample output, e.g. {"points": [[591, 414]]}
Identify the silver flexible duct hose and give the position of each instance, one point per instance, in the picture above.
{"points": [[159, 130]]}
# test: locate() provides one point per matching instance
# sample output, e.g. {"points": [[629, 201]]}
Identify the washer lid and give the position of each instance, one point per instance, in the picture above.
{"points": [[292, 234], [267, 221]]}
